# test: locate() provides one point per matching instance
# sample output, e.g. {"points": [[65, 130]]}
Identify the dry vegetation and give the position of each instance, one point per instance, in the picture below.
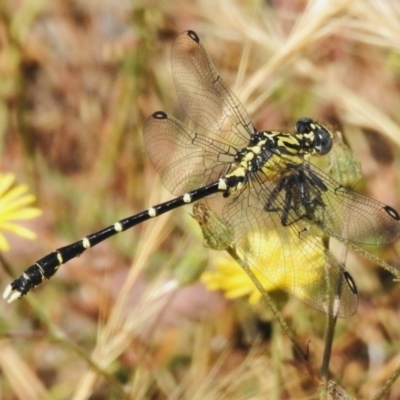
{"points": [[77, 80]]}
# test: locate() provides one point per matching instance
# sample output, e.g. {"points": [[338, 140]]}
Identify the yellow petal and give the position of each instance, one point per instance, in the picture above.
{"points": [[24, 213], [18, 230], [13, 194]]}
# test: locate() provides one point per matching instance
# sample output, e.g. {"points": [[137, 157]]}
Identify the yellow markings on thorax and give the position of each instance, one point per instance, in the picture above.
{"points": [[290, 143], [252, 152], [248, 157], [257, 149], [277, 151], [240, 172]]}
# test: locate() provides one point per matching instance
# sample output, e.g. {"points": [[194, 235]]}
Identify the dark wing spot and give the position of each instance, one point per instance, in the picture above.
{"points": [[193, 36], [392, 212], [160, 115]]}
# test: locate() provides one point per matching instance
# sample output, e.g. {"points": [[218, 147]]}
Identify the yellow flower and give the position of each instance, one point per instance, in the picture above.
{"points": [[229, 277], [15, 204]]}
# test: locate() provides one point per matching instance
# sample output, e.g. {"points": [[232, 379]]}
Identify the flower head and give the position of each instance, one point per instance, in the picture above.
{"points": [[273, 259], [15, 204]]}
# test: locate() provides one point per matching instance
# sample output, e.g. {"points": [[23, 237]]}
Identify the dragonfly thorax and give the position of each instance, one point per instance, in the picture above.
{"points": [[272, 151]]}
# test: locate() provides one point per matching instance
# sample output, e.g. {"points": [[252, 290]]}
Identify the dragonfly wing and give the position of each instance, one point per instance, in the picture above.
{"points": [[303, 192], [205, 97], [290, 257], [185, 160], [349, 215]]}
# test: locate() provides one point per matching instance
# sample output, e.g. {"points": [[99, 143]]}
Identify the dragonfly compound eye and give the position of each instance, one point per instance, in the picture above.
{"points": [[304, 125], [322, 141]]}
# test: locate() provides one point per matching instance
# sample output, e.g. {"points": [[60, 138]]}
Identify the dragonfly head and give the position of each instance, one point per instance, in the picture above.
{"points": [[314, 136]]}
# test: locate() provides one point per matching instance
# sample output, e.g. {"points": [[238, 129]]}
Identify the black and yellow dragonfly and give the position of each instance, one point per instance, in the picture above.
{"points": [[276, 201]]}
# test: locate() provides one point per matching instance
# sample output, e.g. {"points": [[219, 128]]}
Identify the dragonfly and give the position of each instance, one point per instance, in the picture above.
{"points": [[266, 181]]}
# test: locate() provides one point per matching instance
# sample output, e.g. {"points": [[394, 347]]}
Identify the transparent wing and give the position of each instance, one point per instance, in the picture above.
{"points": [[290, 257], [347, 214], [305, 192], [206, 99], [185, 160]]}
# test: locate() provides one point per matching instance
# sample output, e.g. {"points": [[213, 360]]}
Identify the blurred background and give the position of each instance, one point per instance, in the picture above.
{"points": [[130, 318]]}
